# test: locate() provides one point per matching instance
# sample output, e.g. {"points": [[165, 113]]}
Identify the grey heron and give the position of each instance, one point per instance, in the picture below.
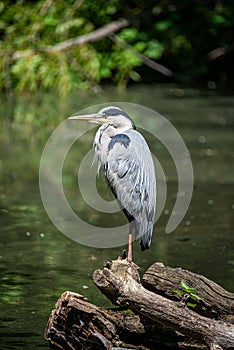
{"points": [[125, 156]]}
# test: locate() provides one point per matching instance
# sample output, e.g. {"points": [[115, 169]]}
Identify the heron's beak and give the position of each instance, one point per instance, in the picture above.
{"points": [[93, 118]]}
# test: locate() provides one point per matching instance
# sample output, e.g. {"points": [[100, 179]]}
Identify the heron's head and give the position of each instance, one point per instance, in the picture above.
{"points": [[108, 115]]}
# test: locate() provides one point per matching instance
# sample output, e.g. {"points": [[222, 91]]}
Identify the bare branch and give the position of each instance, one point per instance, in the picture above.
{"points": [[77, 4], [146, 60], [216, 53], [96, 35], [219, 52], [45, 7]]}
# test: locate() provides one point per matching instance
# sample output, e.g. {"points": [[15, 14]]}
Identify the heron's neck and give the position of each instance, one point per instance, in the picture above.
{"points": [[103, 137], [107, 131]]}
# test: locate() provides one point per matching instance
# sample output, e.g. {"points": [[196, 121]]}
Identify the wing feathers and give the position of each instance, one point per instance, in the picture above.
{"points": [[130, 173]]}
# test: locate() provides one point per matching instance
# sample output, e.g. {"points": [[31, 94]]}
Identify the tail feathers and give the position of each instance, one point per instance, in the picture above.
{"points": [[145, 244], [145, 239]]}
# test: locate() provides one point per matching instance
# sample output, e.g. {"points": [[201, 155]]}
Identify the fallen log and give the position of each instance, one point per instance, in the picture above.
{"points": [[215, 301], [77, 324], [122, 286], [145, 318]]}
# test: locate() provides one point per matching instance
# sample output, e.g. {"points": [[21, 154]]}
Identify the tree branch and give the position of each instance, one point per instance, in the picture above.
{"points": [[107, 30], [146, 60], [96, 35]]}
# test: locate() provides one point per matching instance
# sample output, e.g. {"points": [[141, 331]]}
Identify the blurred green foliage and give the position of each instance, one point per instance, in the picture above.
{"points": [[177, 34]]}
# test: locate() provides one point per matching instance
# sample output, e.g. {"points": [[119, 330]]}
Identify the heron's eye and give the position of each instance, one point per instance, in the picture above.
{"points": [[104, 115]]}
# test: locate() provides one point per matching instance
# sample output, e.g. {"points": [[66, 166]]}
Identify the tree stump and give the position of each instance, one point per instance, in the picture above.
{"points": [[154, 314]]}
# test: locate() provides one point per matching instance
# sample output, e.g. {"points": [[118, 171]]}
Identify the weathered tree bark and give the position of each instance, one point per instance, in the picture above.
{"points": [[156, 317], [216, 302], [77, 324], [120, 283]]}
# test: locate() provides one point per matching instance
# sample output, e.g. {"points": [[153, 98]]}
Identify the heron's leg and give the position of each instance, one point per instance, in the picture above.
{"points": [[130, 243], [132, 227], [129, 258]]}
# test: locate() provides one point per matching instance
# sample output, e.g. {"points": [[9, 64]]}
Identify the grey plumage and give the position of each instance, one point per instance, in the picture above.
{"points": [[130, 173], [125, 156]]}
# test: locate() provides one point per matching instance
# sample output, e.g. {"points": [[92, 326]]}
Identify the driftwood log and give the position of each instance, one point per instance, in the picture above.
{"points": [[152, 315]]}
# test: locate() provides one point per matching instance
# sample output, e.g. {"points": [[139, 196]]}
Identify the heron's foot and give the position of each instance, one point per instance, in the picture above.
{"points": [[133, 264], [128, 257]]}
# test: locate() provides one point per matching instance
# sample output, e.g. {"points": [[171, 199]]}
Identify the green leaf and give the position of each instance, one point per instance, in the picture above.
{"points": [[134, 75], [140, 46], [154, 49], [64, 27], [129, 34], [49, 21], [218, 19], [111, 9], [179, 292], [195, 296], [191, 305], [186, 288], [163, 25], [2, 6]]}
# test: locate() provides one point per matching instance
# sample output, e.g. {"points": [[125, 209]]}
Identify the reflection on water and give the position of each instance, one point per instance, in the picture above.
{"points": [[38, 263]]}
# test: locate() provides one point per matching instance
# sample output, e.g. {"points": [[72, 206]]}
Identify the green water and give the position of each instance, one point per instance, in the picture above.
{"points": [[38, 263]]}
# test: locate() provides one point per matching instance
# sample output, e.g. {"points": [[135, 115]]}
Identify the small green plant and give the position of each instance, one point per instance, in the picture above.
{"points": [[187, 293]]}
